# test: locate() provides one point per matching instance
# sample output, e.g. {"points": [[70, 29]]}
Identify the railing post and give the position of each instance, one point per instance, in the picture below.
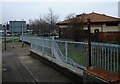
{"points": [[66, 52], [36, 45], [52, 48], [118, 55], [31, 44], [42, 45]]}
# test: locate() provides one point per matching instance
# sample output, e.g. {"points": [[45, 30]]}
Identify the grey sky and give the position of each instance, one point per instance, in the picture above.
{"points": [[32, 10]]}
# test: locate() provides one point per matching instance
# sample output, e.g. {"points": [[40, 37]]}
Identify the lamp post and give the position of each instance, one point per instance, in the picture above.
{"points": [[12, 34], [89, 42], [4, 27], [22, 26]]}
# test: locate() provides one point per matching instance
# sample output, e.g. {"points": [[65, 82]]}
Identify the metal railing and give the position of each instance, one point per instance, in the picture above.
{"points": [[75, 52], [104, 56]]}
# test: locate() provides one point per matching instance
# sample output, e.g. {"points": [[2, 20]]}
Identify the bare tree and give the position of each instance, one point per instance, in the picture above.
{"points": [[51, 19], [31, 24], [45, 25], [70, 16], [77, 25]]}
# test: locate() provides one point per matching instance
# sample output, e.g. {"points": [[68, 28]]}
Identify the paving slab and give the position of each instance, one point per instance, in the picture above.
{"points": [[19, 66]]}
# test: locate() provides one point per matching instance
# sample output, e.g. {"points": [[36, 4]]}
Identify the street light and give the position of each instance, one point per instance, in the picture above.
{"points": [[22, 25], [4, 27], [12, 34]]}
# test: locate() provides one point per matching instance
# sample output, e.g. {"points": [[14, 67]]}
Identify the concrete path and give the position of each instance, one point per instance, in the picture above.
{"points": [[18, 66]]}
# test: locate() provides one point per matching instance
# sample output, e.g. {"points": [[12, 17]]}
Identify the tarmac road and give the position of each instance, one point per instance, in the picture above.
{"points": [[18, 66]]}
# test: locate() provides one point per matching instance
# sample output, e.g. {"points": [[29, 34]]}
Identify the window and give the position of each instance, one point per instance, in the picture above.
{"points": [[111, 24], [96, 30]]}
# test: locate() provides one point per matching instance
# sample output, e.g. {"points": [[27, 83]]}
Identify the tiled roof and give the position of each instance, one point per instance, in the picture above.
{"points": [[94, 17]]}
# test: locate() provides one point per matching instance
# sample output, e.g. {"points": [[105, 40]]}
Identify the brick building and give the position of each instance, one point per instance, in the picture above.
{"points": [[102, 26]]}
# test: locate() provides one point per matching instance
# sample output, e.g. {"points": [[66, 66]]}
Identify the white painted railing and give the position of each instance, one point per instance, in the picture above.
{"points": [[106, 56]]}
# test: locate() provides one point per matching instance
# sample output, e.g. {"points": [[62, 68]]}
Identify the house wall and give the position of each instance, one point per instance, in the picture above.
{"points": [[119, 27], [93, 28], [63, 26], [105, 32], [104, 28], [110, 28]]}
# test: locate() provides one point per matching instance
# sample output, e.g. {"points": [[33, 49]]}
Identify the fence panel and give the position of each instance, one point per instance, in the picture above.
{"points": [[106, 56]]}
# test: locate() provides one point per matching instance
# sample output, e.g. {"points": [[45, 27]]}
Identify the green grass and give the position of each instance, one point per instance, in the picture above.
{"points": [[79, 58], [29, 35], [11, 40], [75, 53]]}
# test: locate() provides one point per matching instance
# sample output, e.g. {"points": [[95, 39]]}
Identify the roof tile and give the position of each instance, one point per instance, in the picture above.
{"points": [[94, 17]]}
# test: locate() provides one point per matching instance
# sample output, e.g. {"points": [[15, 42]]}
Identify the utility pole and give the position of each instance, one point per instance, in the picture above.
{"points": [[89, 42]]}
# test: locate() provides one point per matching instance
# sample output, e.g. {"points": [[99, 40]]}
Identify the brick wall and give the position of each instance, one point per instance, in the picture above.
{"points": [[69, 33], [109, 36]]}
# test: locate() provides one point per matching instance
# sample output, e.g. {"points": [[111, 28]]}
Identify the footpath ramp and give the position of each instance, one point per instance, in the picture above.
{"points": [[18, 66]]}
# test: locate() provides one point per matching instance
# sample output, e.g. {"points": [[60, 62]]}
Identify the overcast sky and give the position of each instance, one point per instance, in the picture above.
{"points": [[32, 10]]}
